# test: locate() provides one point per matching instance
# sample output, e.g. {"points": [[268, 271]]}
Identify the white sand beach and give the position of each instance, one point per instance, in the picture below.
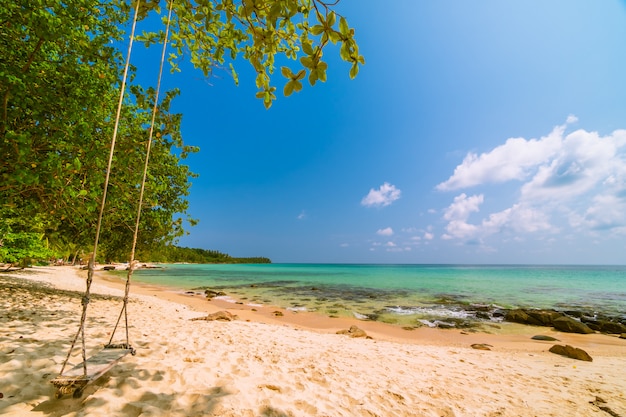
{"points": [[295, 365]]}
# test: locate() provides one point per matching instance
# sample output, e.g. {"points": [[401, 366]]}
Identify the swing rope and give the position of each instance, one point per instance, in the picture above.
{"points": [[131, 264], [85, 300]]}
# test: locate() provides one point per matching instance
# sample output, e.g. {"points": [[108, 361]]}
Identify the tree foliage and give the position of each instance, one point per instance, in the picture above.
{"points": [[59, 83], [215, 32], [60, 76]]}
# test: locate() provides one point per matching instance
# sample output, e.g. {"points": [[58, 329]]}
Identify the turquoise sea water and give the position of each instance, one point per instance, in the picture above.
{"points": [[396, 293]]}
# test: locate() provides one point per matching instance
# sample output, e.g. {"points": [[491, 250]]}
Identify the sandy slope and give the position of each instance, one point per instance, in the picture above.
{"points": [[262, 368]]}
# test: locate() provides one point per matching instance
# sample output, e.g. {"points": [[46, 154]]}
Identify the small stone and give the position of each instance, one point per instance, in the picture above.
{"points": [[546, 338], [481, 346], [220, 315], [354, 331], [278, 313], [571, 352]]}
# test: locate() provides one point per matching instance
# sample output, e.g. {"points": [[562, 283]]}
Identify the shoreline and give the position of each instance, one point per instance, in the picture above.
{"points": [[277, 366], [503, 334]]}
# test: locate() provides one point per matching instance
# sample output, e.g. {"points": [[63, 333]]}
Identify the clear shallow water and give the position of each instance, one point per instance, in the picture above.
{"points": [[401, 293]]}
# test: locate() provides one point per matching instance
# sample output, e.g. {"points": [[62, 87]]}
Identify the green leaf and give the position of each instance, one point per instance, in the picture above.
{"points": [[317, 30], [234, 74], [307, 62], [289, 87], [331, 19], [307, 48], [334, 36], [286, 71], [354, 70], [343, 26]]}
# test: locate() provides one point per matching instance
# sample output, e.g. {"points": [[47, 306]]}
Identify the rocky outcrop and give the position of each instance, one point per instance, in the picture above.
{"points": [[544, 317], [612, 327], [571, 352], [212, 293], [562, 322], [570, 325], [533, 317]]}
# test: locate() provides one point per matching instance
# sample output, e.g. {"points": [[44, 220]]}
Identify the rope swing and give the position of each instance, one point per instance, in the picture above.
{"points": [[78, 377]]}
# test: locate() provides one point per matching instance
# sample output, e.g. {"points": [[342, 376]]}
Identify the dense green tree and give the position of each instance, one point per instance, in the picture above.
{"points": [[59, 82], [60, 76]]}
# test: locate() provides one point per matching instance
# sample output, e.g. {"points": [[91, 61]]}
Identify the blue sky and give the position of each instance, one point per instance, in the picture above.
{"points": [[477, 132]]}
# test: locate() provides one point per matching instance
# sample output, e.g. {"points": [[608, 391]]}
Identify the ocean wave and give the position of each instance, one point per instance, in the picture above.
{"points": [[428, 311]]}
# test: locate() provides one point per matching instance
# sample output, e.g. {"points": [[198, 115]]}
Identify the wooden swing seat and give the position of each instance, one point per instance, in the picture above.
{"points": [[74, 381]]}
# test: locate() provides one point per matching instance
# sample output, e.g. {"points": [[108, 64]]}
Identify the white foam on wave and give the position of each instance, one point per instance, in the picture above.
{"points": [[296, 309], [360, 316], [428, 311], [226, 298]]}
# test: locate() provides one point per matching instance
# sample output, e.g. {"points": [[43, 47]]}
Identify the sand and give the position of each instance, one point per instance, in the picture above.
{"points": [[294, 365]]}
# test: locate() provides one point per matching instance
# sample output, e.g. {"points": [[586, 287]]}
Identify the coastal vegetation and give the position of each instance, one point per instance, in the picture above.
{"points": [[177, 254], [60, 80]]}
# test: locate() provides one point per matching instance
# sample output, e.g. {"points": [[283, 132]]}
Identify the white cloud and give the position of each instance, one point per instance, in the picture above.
{"points": [[459, 229], [576, 179], [385, 232], [515, 160], [390, 245], [302, 215], [463, 206], [518, 219], [428, 236], [585, 162], [382, 197], [607, 212]]}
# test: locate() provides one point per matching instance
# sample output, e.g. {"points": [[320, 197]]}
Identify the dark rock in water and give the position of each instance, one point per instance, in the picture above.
{"points": [[354, 331], [546, 338], [611, 327], [483, 315], [519, 316], [532, 317], [570, 325], [108, 268], [498, 313], [544, 317], [571, 352], [591, 322], [212, 293], [481, 346]]}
